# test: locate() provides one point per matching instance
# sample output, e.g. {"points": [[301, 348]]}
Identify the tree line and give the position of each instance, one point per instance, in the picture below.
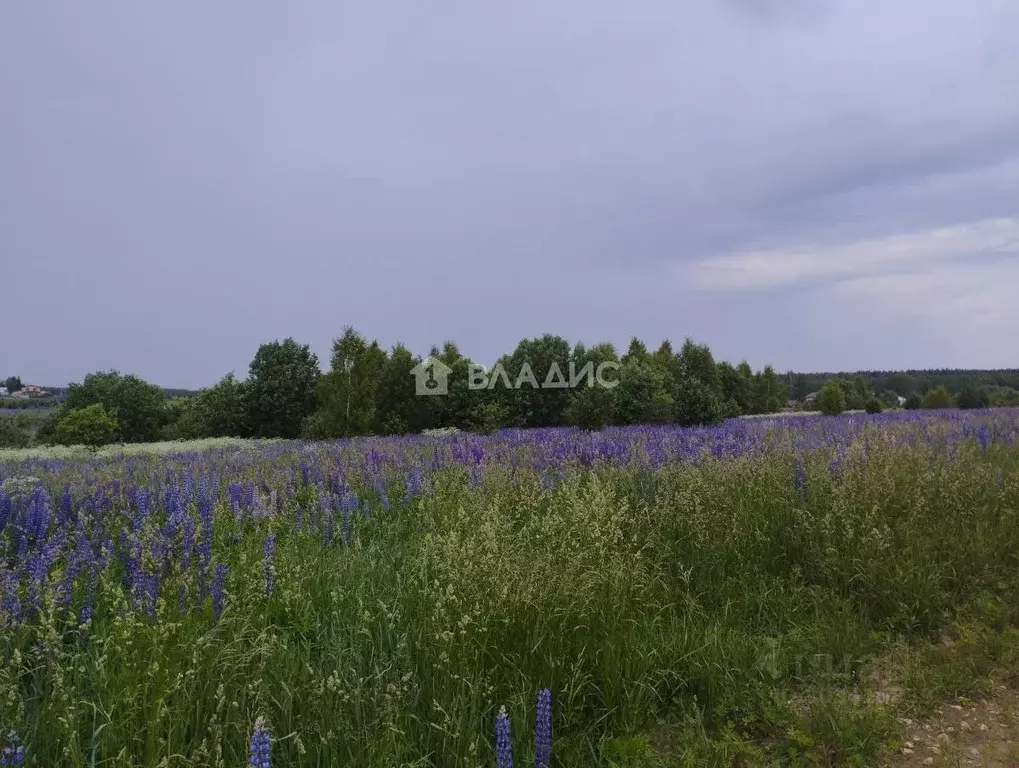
{"points": [[919, 382], [368, 390]]}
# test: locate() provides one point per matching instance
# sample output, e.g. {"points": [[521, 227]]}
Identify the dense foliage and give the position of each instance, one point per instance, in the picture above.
{"points": [[906, 382], [137, 406], [377, 602], [369, 391]]}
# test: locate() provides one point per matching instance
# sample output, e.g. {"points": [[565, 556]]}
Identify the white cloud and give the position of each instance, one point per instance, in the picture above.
{"points": [[910, 253]]}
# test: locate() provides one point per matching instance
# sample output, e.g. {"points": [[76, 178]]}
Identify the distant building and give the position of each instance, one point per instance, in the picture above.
{"points": [[32, 391], [4, 392], [810, 398]]}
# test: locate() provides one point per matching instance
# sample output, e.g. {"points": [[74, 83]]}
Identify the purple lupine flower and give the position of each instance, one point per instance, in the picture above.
{"points": [[141, 501], [10, 604], [187, 490], [503, 748], [205, 514], [218, 584], [187, 548], [66, 505], [800, 474], [13, 753], [233, 492], [366, 510], [268, 555], [383, 498], [543, 729], [37, 518], [150, 583], [6, 509], [90, 594], [345, 518], [260, 746]]}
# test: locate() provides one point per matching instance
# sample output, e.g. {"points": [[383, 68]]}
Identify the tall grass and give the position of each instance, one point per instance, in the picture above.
{"points": [[702, 609]]}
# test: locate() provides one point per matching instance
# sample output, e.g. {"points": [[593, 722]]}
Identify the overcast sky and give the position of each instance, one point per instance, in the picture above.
{"points": [[819, 184]]}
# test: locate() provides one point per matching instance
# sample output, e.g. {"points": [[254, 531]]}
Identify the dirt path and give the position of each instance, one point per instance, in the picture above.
{"points": [[979, 733]]}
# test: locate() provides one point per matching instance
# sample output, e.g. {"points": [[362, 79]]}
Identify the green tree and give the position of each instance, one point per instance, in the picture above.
{"points": [[347, 394], [873, 406], [91, 425], [696, 361], [548, 360], [913, 401], [398, 409], [889, 399], [769, 393], [695, 403], [280, 391], [12, 434], [635, 352], [857, 392], [13, 383], [737, 388], [137, 406], [592, 405], [460, 406], [831, 400], [938, 397], [217, 411], [1003, 397], [973, 397], [800, 388], [696, 386], [643, 395]]}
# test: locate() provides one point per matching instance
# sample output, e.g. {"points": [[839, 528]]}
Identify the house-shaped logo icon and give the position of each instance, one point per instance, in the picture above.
{"points": [[431, 377]]}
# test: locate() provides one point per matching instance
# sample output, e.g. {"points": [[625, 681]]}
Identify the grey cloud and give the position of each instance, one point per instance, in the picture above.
{"points": [[182, 183]]}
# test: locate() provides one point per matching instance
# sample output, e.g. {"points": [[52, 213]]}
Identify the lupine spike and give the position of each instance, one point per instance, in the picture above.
{"points": [[543, 729], [260, 747], [503, 747]]}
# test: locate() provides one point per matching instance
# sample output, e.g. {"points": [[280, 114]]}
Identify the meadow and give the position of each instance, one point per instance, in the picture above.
{"points": [[765, 591]]}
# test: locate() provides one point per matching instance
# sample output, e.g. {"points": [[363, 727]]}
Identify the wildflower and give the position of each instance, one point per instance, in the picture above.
{"points": [[345, 518], [150, 583], [543, 729], [10, 605], [205, 547], [218, 582], [268, 553], [800, 474], [260, 746], [13, 752], [6, 508], [503, 748]]}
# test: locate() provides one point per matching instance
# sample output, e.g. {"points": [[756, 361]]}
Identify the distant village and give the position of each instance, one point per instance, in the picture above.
{"points": [[27, 392]]}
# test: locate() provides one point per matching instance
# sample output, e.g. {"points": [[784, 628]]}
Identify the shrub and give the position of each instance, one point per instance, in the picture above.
{"points": [[12, 435], [92, 426], [831, 400], [913, 402], [874, 406], [939, 397], [973, 397]]}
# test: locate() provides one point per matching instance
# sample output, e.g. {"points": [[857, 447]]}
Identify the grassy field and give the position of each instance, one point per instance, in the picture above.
{"points": [[767, 592]]}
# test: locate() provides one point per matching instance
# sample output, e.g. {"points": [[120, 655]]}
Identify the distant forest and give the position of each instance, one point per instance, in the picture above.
{"points": [[369, 390], [906, 383]]}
